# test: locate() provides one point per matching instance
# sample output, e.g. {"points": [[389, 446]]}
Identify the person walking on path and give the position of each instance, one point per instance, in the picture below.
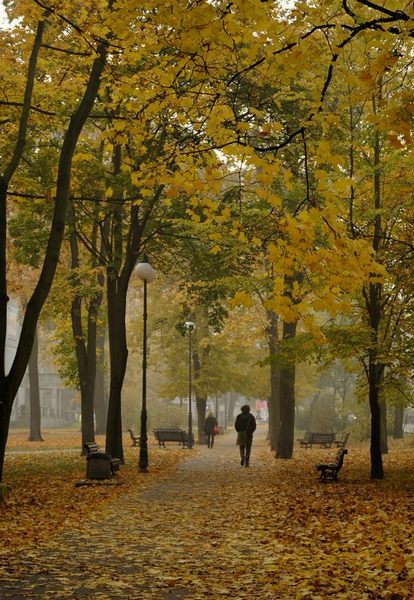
{"points": [[210, 429], [245, 425]]}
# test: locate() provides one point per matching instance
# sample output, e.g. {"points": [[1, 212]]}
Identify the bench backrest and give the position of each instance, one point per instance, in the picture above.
{"points": [[170, 435], [133, 434], [322, 437], [91, 447], [167, 430], [340, 457]]}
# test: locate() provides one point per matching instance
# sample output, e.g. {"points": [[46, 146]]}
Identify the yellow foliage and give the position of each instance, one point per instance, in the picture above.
{"points": [[241, 298], [274, 201]]}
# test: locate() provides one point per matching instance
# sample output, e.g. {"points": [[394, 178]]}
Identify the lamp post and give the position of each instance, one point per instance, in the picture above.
{"points": [[146, 273], [189, 325]]}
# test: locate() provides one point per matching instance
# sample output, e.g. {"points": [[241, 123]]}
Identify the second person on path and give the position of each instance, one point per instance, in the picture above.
{"points": [[210, 429]]}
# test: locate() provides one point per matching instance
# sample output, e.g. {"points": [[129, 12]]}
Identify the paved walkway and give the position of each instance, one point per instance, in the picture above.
{"points": [[190, 536]]}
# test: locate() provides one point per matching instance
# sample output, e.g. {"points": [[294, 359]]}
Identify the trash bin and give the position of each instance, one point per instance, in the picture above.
{"points": [[98, 466]]}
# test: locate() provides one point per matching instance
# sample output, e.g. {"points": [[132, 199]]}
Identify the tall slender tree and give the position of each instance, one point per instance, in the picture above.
{"points": [[10, 382]]}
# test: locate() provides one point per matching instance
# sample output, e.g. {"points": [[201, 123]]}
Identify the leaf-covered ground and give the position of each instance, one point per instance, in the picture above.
{"points": [[213, 529], [43, 477]]}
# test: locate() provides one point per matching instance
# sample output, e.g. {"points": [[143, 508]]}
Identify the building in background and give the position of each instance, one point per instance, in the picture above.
{"points": [[59, 404], [408, 426]]}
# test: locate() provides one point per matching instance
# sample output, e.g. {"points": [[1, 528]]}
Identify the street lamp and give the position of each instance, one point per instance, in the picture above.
{"points": [[189, 325], [146, 273]]}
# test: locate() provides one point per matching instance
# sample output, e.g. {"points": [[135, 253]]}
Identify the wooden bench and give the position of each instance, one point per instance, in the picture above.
{"points": [[99, 464], [341, 442], [171, 435], [329, 471], [134, 437], [325, 440]]}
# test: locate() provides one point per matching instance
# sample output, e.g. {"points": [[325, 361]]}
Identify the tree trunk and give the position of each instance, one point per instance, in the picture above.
{"points": [[274, 405], [398, 432], [6, 403], [274, 401], [9, 385], [85, 338], [374, 309], [35, 434], [287, 401], [121, 253], [85, 362], [232, 398], [374, 378], [312, 410], [201, 404], [118, 357], [100, 400], [384, 434]]}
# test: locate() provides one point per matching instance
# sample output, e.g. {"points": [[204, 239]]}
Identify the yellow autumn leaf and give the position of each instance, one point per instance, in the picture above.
{"points": [[241, 298]]}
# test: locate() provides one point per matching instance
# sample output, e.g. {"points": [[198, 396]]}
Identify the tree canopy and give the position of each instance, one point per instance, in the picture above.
{"points": [[266, 141]]}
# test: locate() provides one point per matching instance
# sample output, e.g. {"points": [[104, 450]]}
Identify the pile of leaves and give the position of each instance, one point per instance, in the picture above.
{"points": [[41, 492], [273, 531]]}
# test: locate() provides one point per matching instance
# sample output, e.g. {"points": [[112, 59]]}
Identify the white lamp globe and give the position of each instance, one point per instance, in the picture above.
{"points": [[145, 272]]}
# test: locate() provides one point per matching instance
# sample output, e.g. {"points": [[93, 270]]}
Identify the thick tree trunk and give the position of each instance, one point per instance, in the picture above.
{"points": [[274, 406], [35, 434], [287, 401], [118, 351], [374, 377], [6, 403]]}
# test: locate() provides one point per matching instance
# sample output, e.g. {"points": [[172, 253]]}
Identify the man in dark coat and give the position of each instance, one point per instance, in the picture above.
{"points": [[245, 425]]}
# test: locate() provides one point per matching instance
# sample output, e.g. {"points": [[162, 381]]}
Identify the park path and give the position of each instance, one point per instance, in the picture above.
{"points": [[190, 536], [213, 530]]}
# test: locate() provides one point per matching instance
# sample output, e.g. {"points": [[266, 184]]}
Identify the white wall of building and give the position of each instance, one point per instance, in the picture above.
{"points": [[56, 401]]}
